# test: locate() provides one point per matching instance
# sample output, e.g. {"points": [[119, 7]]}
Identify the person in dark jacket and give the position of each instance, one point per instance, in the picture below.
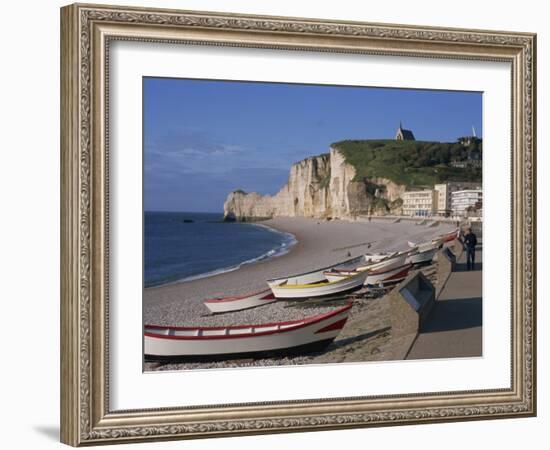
{"points": [[470, 242]]}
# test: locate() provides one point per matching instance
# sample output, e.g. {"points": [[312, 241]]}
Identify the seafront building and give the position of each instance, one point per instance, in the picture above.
{"points": [[420, 203], [444, 195], [467, 202]]}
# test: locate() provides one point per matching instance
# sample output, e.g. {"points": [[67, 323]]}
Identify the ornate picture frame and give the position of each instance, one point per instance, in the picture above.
{"points": [[86, 34]]}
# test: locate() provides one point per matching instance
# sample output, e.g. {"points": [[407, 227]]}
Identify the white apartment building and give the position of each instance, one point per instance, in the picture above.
{"points": [[462, 200], [444, 195], [420, 203]]}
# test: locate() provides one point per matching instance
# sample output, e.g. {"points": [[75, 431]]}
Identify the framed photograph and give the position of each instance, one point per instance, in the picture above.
{"points": [[277, 224]]}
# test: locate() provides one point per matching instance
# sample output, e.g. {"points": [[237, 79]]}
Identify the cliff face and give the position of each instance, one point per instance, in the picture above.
{"points": [[320, 187]]}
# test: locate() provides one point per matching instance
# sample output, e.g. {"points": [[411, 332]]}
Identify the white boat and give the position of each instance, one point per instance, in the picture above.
{"points": [[320, 289], [420, 257], [238, 303], [371, 261], [294, 337], [383, 277], [315, 276], [434, 243], [375, 277], [372, 258], [395, 259]]}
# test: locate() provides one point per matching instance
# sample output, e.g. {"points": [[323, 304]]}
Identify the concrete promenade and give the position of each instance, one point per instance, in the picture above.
{"points": [[454, 328]]}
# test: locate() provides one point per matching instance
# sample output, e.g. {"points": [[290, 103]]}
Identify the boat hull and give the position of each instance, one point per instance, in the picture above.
{"points": [[315, 276], [421, 257], [230, 342], [388, 277], [396, 260], [325, 288], [230, 304]]}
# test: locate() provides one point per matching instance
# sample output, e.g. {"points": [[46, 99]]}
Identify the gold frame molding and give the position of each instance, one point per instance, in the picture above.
{"points": [[86, 31]]}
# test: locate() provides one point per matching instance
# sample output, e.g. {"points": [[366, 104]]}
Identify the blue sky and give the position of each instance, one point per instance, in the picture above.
{"points": [[204, 139]]}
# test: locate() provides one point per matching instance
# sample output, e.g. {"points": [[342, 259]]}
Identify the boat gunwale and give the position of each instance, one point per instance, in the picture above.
{"points": [[316, 285], [241, 297], [300, 323], [271, 280]]}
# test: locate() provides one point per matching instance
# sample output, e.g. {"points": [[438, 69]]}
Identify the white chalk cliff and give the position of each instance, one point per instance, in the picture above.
{"points": [[320, 187]]}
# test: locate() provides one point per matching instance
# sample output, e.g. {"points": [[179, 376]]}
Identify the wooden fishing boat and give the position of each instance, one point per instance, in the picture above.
{"points": [[315, 276], [384, 277], [238, 303], [448, 237], [434, 243], [293, 337], [320, 289], [372, 258], [421, 257], [374, 277], [395, 259]]}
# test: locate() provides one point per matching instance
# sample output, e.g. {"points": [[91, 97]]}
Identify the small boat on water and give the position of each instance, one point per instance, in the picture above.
{"points": [[294, 337], [320, 289], [238, 303]]}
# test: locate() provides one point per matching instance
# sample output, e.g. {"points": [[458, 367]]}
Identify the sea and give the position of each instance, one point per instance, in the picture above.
{"points": [[182, 246]]}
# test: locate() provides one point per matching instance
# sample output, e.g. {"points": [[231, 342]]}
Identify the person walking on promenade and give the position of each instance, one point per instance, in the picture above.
{"points": [[470, 242]]}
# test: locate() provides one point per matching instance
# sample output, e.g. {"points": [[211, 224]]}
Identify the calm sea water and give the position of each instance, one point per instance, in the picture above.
{"points": [[182, 246]]}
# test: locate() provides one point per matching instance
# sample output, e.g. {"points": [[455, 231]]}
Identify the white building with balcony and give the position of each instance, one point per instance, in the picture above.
{"points": [[445, 191], [467, 202], [420, 203]]}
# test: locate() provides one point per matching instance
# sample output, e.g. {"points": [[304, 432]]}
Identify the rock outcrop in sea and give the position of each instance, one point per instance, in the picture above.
{"points": [[323, 186]]}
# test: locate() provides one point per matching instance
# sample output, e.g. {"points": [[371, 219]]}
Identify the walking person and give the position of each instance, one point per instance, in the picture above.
{"points": [[470, 242]]}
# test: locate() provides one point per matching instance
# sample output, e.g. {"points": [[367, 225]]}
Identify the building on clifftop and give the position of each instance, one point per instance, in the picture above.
{"points": [[403, 135]]}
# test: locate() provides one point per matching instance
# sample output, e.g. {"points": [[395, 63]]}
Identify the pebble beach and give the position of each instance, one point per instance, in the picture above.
{"points": [[320, 243]]}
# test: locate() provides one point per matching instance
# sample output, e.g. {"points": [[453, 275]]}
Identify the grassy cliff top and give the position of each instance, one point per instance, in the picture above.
{"points": [[412, 163]]}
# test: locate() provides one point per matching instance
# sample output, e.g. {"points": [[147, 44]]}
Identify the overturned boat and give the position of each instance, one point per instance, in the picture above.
{"points": [[238, 303], [294, 337]]}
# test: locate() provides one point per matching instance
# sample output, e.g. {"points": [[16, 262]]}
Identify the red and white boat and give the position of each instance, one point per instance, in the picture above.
{"points": [[383, 277], [238, 303], [315, 276], [293, 337], [448, 237], [375, 277]]}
